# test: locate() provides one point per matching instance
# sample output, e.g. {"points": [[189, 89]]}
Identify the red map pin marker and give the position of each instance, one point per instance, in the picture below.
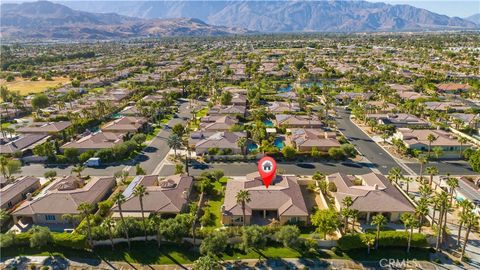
{"points": [[267, 167]]}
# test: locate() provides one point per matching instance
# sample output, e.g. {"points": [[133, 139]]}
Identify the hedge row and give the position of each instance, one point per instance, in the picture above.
{"points": [[69, 240], [387, 239]]}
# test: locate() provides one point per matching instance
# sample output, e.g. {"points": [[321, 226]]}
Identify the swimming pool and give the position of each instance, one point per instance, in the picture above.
{"points": [[288, 88], [268, 123], [279, 142]]}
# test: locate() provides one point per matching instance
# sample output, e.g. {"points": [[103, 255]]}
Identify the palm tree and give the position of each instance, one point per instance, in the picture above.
{"points": [[395, 174], [243, 197], [368, 240], [452, 183], [378, 220], [85, 211], [140, 191], [462, 141], [78, 169], [422, 160], [174, 142], [421, 211], [108, 224], [354, 213], [409, 221], [3, 166], [442, 199], [471, 220], [466, 206], [119, 199], [430, 138], [431, 171], [346, 202], [407, 180], [242, 143]]}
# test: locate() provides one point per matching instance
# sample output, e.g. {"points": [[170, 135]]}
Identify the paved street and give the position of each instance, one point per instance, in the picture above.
{"points": [[382, 160], [149, 159]]}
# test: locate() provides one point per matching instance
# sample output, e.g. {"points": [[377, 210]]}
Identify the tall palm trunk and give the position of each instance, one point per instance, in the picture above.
{"points": [[459, 232], [378, 237], [243, 214], [409, 239], [469, 227], [124, 225], [439, 229], [143, 218], [89, 231]]}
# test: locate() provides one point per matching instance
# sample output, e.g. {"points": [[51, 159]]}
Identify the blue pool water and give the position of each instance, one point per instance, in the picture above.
{"points": [[278, 143], [268, 123], [289, 88], [310, 84], [116, 115], [252, 147]]}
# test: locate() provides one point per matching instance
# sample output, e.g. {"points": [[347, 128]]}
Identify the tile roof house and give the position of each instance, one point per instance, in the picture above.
{"points": [[371, 193], [17, 191], [165, 196], [282, 201], [465, 120], [130, 111], [297, 121], [399, 120], [222, 140], [62, 197], [283, 107], [446, 106], [417, 139], [305, 140], [230, 110], [218, 122], [451, 88], [45, 128], [95, 141], [23, 143], [126, 124], [239, 99]]}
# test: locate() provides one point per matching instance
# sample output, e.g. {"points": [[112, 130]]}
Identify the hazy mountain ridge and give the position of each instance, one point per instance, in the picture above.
{"points": [[475, 18], [49, 20], [289, 16]]}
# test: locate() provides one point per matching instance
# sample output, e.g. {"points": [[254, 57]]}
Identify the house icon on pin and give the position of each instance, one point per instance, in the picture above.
{"points": [[267, 166]]}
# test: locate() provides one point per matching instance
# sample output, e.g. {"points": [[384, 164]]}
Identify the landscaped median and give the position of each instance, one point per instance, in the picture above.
{"points": [[392, 245]]}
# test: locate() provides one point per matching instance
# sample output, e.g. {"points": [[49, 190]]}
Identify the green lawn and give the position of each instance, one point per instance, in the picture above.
{"points": [[152, 135], [215, 203], [203, 112]]}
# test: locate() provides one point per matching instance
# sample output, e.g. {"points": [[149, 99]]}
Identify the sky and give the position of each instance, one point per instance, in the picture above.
{"points": [[458, 8]]}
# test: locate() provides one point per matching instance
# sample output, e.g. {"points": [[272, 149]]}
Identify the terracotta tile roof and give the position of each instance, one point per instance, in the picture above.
{"points": [[283, 195], [167, 195], [45, 127], [64, 196], [376, 194]]}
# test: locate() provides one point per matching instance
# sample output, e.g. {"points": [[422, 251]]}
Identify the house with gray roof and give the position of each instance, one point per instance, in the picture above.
{"points": [[17, 191], [399, 120], [23, 143], [62, 197], [305, 139], [283, 107], [45, 128], [166, 196], [95, 141], [224, 141], [281, 201], [228, 110], [297, 121], [218, 122], [126, 124], [371, 194]]}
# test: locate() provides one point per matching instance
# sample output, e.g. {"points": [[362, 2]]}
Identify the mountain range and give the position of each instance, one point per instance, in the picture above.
{"points": [[47, 20], [475, 18], [124, 19]]}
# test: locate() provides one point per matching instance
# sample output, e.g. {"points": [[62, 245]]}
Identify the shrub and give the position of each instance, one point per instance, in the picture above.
{"points": [[61, 159], [387, 239], [336, 153], [71, 154], [70, 240], [86, 155]]}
